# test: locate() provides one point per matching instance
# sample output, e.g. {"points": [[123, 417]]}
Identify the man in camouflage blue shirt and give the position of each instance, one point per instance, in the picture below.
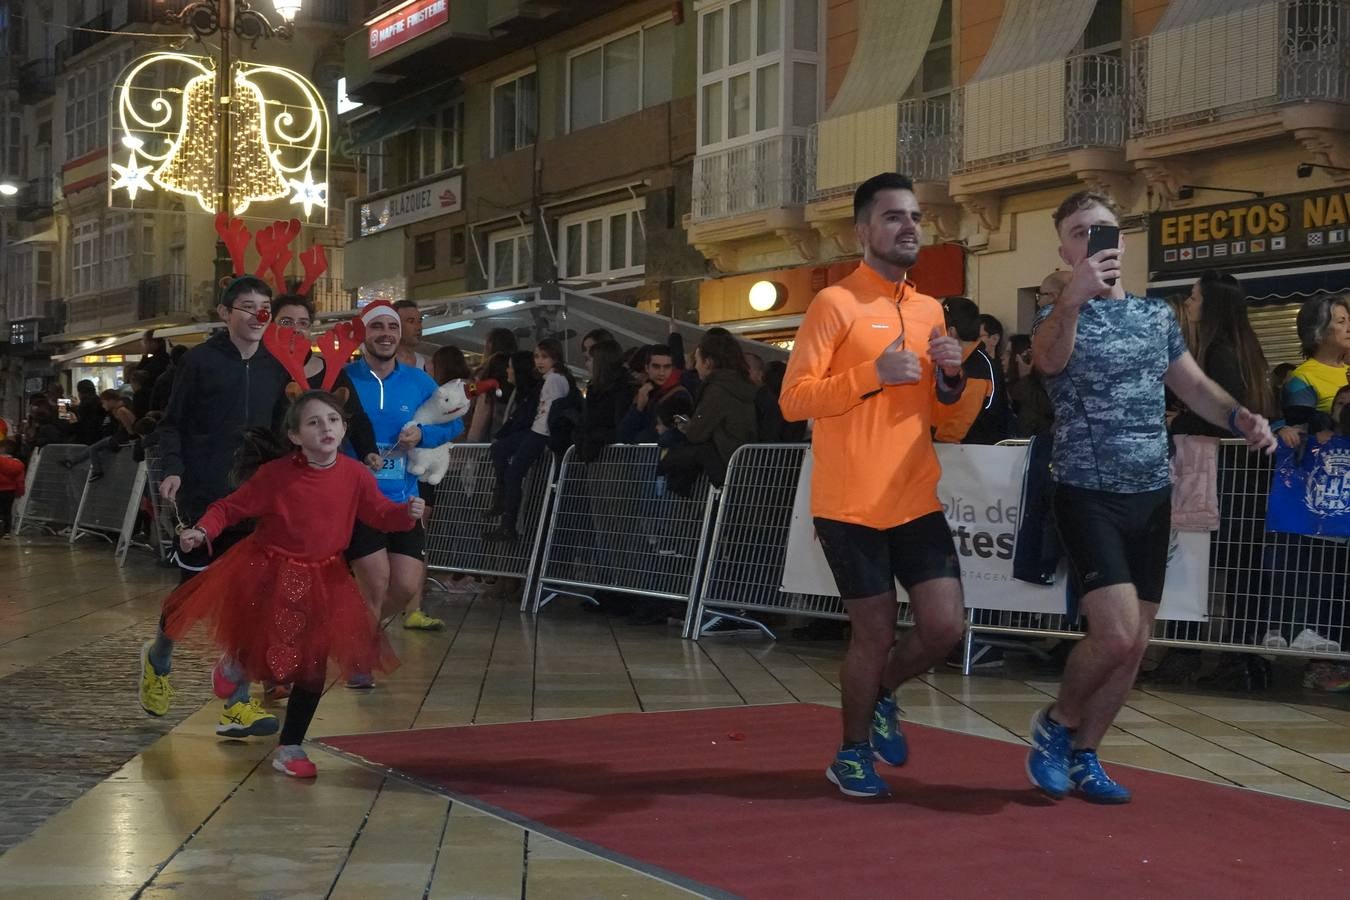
{"points": [[1105, 356]]}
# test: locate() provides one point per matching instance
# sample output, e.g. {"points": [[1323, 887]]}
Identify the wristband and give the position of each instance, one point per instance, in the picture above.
{"points": [[1232, 421]]}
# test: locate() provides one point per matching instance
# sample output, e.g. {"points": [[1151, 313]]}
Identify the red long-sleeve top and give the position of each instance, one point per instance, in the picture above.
{"points": [[304, 512], [11, 476]]}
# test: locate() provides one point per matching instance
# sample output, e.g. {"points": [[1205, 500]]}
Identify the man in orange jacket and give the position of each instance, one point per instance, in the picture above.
{"points": [[866, 367]]}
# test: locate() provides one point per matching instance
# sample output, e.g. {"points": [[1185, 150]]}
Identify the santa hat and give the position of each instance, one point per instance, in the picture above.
{"points": [[377, 309]]}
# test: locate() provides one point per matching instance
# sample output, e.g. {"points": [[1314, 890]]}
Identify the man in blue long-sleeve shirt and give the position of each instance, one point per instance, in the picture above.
{"points": [[389, 567]]}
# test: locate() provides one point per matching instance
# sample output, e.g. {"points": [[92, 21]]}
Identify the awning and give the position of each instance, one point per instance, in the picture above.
{"points": [[1278, 285], [464, 322], [1032, 32], [42, 237], [892, 39], [395, 117], [1192, 11]]}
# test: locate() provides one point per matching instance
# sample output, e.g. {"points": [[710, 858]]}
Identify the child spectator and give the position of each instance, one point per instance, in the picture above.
{"points": [[11, 482]]}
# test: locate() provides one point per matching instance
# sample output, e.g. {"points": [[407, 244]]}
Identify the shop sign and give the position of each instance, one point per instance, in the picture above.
{"points": [[1312, 225], [413, 205], [406, 23]]}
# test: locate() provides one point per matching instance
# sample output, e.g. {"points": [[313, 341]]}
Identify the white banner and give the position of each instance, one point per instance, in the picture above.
{"points": [[425, 201], [980, 491]]}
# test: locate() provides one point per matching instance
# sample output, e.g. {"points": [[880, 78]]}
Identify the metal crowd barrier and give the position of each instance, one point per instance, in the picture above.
{"points": [[459, 519], [1262, 584], [750, 540], [108, 505], [162, 533], [52, 497], [615, 528]]}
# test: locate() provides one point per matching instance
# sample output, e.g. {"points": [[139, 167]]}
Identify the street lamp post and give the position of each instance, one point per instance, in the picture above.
{"points": [[223, 18]]}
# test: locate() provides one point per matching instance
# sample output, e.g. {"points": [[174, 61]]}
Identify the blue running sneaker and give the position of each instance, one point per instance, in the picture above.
{"points": [[1091, 782], [888, 741], [852, 771], [1048, 761]]}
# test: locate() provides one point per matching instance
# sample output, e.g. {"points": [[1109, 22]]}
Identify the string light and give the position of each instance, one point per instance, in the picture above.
{"points": [[167, 110]]}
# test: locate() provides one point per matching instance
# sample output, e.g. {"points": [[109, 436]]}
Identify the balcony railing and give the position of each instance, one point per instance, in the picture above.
{"points": [[847, 150], [1071, 104], [36, 199], [162, 295], [1265, 57], [771, 173], [37, 79]]}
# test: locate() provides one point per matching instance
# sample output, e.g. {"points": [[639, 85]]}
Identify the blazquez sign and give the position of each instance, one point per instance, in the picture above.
{"points": [[406, 23], [413, 205]]}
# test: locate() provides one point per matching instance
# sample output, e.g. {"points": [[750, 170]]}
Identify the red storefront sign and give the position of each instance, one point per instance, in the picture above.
{"points": [[406, 23]]}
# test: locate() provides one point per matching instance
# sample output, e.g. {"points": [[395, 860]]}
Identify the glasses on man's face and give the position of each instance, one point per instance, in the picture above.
{"points": [[288, 322], [1046, 296]]}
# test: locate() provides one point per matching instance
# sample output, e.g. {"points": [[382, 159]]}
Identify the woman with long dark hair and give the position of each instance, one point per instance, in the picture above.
{"points": [[724, 416], [526, 435], [1226, 347], [608, 397]]}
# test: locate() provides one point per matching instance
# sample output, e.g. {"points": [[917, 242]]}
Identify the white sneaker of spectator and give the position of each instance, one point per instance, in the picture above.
{"points": [[1274, 641], [1313, 642]]}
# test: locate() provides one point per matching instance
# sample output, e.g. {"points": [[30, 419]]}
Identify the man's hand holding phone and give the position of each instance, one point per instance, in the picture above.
{"points": [[1099, 271]]}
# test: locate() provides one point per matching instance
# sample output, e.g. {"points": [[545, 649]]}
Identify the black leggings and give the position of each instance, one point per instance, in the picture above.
{"points": [[299, 713], [6, 510]]}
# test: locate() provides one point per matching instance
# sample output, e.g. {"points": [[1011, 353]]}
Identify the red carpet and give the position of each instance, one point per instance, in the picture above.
{"points": [[735, 801]]}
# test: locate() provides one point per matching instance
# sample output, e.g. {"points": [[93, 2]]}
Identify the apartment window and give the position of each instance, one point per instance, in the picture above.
{"points": [[509, 261], [424, 253], [87, 94], [377, 165], [603, 243], [759, 68], [84, 258], [115, 266], [11, 144], [457, 247], [1104, 30], [515, 112], [440, 141], [934, 78], [619, 76]]}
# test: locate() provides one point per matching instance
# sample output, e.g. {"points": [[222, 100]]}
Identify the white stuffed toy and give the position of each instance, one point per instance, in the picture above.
{"points": [[450, 402]]}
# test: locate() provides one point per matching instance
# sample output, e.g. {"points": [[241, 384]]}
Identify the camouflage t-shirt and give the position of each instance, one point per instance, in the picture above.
{"points": [[1110, 430]]}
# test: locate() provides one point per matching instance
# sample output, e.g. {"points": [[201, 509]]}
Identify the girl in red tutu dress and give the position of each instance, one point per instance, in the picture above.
{"points": [[281, 603]]}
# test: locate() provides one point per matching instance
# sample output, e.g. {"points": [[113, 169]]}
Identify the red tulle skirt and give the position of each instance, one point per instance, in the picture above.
{"points": [[282, 619]]}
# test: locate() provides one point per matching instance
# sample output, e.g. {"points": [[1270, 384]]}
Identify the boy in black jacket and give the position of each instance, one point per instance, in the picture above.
{"points": [[227, 384]]}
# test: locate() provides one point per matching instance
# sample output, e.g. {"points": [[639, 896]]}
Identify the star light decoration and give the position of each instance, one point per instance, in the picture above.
{"points": [[307, 193], [166, 108], [131, 177]]}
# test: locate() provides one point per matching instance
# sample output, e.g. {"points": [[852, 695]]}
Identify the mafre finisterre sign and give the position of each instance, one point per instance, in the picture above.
{"points": [[405, 23], [1253, 232]]}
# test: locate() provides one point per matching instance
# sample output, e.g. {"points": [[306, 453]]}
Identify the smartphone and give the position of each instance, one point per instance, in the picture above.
{"points": [[1103, 237]]}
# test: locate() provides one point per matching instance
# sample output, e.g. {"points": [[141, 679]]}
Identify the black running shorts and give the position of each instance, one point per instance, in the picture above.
{"points": [[1115, 538], [868, 561], [366, 540]]}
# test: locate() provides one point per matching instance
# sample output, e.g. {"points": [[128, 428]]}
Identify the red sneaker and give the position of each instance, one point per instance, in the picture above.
{"points": [[275, 692], [295, 766]]}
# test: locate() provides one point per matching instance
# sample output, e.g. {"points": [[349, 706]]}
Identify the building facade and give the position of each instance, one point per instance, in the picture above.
{"points": [[1000, 108], [524, 143], [77, 272]]}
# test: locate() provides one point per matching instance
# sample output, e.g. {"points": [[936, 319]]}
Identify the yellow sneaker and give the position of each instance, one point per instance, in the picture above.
{"points": [[422, 622], [249, 719], [155, 692]]}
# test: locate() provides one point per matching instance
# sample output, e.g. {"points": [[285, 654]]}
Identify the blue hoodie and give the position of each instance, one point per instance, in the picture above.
{"points": [[391, 403]]}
